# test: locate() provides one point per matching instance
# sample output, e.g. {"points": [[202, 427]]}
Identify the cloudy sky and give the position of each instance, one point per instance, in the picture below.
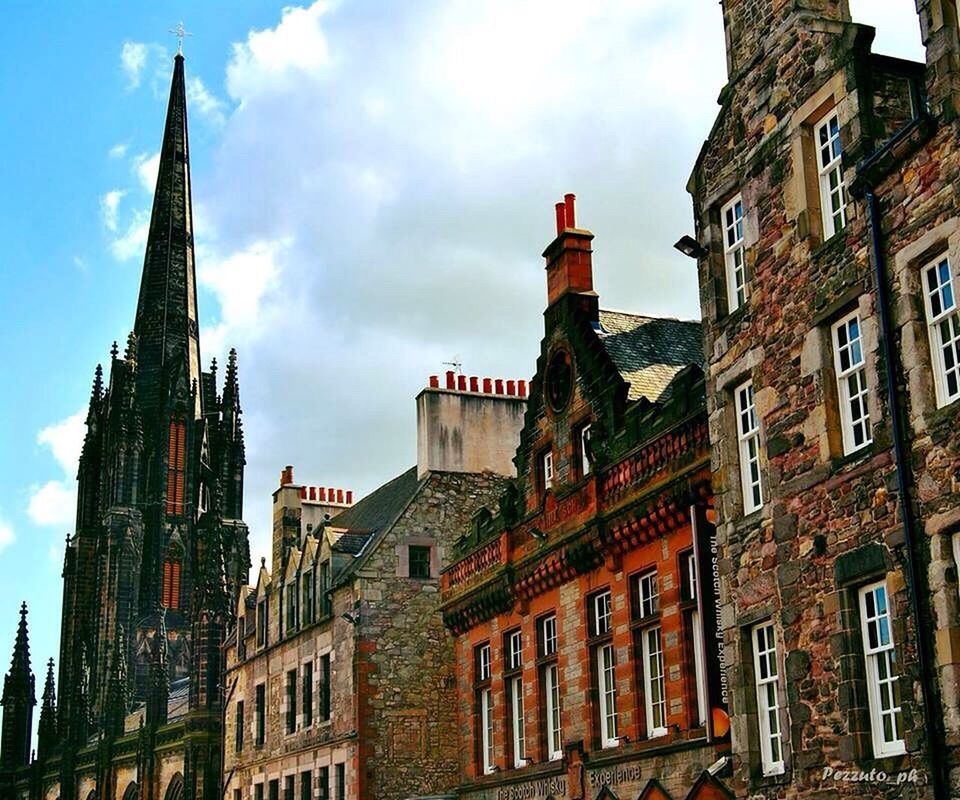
{"points": [[373, 184]]}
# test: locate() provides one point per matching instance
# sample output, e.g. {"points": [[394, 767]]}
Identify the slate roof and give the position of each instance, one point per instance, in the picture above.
{"points": [[377, 509], [178, 701], [351, 542], [650, 351]]}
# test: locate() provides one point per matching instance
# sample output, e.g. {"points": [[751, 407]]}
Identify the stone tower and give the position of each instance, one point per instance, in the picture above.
{"points": [[160, 547], [18, 701]]}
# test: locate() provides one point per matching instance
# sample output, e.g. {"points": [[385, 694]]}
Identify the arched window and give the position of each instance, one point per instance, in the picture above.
{"points": [[170, 588], [176, 465], [174, 788]]}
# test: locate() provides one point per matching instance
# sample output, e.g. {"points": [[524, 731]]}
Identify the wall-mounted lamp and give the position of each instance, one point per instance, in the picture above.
{"points": [[353, 619], [691, 247]]}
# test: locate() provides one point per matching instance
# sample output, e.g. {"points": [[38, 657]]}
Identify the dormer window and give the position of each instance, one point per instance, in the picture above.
{"points": [[241, 637], [262, 611], [290, 595], [308, 610]]}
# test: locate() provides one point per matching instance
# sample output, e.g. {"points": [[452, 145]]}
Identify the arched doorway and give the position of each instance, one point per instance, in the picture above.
{"points": [[132, 792]]}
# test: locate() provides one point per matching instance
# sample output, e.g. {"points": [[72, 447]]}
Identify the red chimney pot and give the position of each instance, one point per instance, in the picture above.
{"points": [[322, 495], [434, 382], [487, 385], [451, 381], [511, 388], [498, 383], [568, 202], [462, 383], [339, 495], [349, 498], [561, 217]]}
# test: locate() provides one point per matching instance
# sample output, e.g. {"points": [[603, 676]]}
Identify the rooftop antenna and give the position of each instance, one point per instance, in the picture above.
{"points": [[180, 32], [457, 365]]}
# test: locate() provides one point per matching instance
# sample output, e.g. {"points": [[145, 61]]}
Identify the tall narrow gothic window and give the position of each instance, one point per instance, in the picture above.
{"points": [[176, 466], [170, 590]]}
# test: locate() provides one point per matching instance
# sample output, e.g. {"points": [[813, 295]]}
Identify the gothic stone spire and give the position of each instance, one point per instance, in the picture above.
{"points": [[47, 730], [18, 701], [166, 323]]}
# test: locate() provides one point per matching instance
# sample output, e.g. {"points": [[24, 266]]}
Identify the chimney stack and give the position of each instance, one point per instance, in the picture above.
{"points": [[286, 476], [569, 257]]}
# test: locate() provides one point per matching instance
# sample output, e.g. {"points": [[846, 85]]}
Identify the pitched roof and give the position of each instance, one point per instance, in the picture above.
{"points": [[351, 542], [379, 508], [650, 351]]}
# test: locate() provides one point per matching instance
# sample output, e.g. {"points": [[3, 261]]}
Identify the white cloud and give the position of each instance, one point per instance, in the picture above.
{"points": [[130, 244], [297, 47], [240, 281], [119, 150], [146, 166], [65, 440], [7, 536], [133, 58], [54, 502], [201, 99], [109, 206]]}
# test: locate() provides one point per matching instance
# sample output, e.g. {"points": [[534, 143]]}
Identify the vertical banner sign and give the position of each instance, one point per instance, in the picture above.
{"points": [[708, 603]]}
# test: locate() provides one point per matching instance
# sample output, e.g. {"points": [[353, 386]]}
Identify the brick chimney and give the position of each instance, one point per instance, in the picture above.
{"points": [[569, 256]]}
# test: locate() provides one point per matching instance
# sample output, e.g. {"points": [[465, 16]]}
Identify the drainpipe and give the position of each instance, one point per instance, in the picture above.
{"points": [[915, 583]]}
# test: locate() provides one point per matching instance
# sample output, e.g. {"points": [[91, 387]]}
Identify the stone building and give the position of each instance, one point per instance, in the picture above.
{"points": [[828, 242], [340, 673], [152, 571], [587, 657]]}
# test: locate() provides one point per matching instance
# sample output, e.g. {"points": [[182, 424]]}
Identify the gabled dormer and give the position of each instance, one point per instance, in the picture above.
{"points": [[262, 608]]}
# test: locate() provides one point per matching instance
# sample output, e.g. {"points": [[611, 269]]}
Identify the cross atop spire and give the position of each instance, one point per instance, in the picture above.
{"points": [[180, 32]]}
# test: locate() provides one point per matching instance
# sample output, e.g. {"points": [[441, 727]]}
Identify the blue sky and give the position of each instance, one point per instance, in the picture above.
{"points": [[373, 182]]}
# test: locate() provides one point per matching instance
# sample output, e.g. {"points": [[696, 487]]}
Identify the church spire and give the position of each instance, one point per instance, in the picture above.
{"points": [[47, 730], [166, 323], [18, 701]]}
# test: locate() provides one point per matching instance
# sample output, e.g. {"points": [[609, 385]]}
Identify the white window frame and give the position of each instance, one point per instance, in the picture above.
{"points": [[584, 444], [551, 674], [654, 682], [880, 661], [607, 691], [486, 729], [547, 466], [766, 675], [734, 253], [833, 189], [648, 593], [515, 650], [748, 438], [484, 664], [943, 327], [517, 722], [602, 613], [550, 638], [956, 555], [850, 364], [698, 644]]}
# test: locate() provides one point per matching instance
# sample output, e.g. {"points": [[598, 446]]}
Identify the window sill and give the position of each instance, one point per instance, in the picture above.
{"points": [[836, 243], [841, 462], [782, 778]]}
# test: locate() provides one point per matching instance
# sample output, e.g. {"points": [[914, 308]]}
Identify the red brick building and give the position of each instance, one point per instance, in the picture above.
{"points": [[587, 659]]}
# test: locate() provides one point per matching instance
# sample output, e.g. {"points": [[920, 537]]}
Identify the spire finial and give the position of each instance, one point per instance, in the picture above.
{"points": [[114, 350], [131, 352], [180, 32]]}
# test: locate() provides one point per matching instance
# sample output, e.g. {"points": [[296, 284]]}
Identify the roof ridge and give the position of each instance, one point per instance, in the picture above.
{"points": [[649, 316]]}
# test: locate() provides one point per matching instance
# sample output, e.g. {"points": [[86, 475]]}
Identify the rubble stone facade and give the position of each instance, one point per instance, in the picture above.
{"points": [[826, 206], [358, 678], [587, 658]]}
